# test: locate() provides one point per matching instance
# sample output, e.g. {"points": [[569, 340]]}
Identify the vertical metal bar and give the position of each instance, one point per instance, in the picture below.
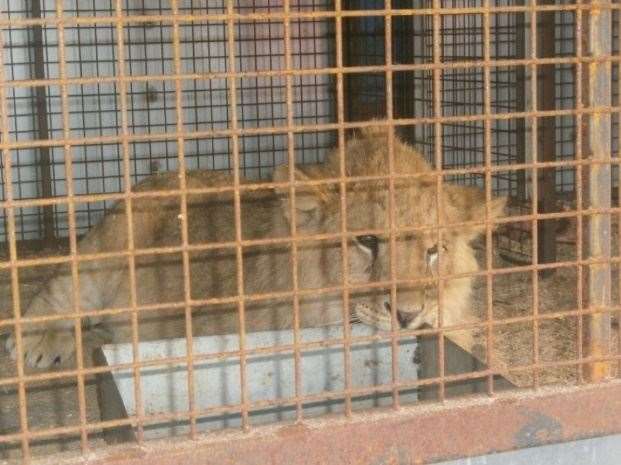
{"points": [[49, 236], [131, 259], [7, 173], [487, 145], [347, 55], [75, 281], [546, 140], [187, 293], [437, 113], [535, 186], [293, 223], [433, 359], [392, 206], [340, 117], [404, 54], [600, 188], [618, 155], [579, 188], [232, 84], [520, 104]]}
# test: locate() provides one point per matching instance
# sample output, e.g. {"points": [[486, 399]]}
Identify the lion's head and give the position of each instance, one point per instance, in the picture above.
{"points": [[420, 254]]}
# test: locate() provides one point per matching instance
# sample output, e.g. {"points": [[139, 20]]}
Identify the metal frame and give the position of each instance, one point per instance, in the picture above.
{"points": [[413, 434], [492, 422]]}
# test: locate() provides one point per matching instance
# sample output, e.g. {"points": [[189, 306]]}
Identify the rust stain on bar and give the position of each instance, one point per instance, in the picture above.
{"points": [[171, 135], [310, 71], [259, 16], [599, 189]]}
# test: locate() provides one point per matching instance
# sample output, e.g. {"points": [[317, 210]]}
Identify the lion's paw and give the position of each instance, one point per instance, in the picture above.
{"points": [[43, 350]]}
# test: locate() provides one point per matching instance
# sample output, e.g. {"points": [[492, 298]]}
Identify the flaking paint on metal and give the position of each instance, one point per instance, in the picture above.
{"points": [[538, 429]]}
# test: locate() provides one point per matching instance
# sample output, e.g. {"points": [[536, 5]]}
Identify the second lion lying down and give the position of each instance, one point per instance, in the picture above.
{"points": [[266, 214]]}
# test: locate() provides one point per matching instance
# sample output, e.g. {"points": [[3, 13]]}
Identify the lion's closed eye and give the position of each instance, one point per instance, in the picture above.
{"points": [[369, 243], [432, 254]]}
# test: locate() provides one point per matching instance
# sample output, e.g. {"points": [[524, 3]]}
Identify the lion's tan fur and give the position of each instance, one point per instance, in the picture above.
{"points": [[265, 214]]}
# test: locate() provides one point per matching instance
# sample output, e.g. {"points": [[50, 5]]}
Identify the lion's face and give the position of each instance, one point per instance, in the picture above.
{"points": [[427, 250], [422, 254]]}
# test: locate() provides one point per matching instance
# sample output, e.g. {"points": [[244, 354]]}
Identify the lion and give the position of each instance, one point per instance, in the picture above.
{"points": [[194, 280]]}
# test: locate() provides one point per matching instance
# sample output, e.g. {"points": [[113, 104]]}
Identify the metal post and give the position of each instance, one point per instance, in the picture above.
{"points": [[598, 146], [49, 236], [520, 106], [546, 144]]}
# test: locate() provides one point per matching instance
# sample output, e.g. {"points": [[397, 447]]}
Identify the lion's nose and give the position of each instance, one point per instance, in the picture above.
{"points": [[405, 318]]}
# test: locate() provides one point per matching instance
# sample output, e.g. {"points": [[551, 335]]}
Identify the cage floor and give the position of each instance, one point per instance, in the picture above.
{"points": [[55, 404], [513, 298]]}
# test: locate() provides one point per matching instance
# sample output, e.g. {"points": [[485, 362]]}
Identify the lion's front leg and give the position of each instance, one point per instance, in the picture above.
{"points": [[52, 342]]}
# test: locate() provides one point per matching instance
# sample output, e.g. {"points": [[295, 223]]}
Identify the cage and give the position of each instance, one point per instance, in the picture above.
{"points": [[239, 226]]}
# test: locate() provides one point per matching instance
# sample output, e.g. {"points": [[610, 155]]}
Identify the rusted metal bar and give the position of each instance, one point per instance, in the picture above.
{"points": [[7, 180], [618, 192], [58, 200], [73, 244], [341, 114], [276, 15], [49, 236], [411, 435], [235, 153], [326, 290], [307, 71], [487, 144], [183, 223], [520, 105], [423, 333], [190, 135], [599, 187], [292, 212], [125, 152], [546, 138], [580, 182], [392, 206]]}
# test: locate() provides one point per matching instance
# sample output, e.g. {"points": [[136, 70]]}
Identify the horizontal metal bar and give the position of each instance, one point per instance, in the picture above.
{"points": [[288, 72], [336, 342], [265, 185], [176, 135], [306, 292], [411, 435], [180, 19]]}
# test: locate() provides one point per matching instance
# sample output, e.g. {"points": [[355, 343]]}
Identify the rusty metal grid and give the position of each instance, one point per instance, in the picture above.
{"points": [[592, 64], [94, 109], [407, 435]]}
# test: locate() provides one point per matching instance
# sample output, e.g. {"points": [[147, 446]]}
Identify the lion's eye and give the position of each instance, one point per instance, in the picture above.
{"points": [[432, 254], [368, 242], [432, 250]]}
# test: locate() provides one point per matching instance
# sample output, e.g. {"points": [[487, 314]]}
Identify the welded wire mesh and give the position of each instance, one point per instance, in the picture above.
{"points": [[98, 97]]}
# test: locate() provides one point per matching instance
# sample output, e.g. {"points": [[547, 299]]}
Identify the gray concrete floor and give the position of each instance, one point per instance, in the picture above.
{"points": [[596, 451]]}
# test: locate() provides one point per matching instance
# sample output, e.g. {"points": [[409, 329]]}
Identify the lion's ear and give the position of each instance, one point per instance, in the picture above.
{"points": [[469, 203], [308, 199]]}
